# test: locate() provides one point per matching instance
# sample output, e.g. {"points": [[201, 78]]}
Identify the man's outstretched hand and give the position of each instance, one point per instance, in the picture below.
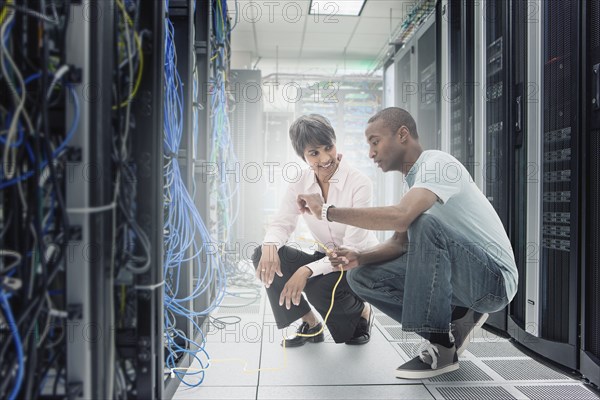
{"points": [[310, 203], [344, 258]]}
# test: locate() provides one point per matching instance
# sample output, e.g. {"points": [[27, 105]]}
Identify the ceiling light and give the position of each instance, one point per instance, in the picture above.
{"points": [[339, 7]]}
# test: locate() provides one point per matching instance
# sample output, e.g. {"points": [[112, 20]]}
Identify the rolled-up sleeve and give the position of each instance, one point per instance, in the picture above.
{"points": [[285, 221], [320, 267]]}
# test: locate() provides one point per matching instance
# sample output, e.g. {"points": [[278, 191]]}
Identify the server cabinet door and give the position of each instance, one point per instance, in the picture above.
{"points": [[553, 332], [458, 91], [496, 85], [590, 339], [427, 78]]}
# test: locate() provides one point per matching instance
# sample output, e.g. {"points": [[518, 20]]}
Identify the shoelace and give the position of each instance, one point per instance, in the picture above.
{"points": [[428, 348]]}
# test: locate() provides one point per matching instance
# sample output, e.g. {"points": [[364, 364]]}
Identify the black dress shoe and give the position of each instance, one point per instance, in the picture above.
{"points": [[362, 333], [303, 329]]}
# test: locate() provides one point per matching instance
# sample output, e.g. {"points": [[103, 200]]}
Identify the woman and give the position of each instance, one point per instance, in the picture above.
{"points": [[288, 272]]}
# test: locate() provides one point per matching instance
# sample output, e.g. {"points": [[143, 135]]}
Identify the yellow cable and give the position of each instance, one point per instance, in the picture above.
{"points": [[4, 12], [245, 362], [332, 296], [138, 44]]}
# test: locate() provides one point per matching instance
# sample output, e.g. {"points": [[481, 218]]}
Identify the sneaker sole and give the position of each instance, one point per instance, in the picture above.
{"points": [[426, 373], [477, 328]]}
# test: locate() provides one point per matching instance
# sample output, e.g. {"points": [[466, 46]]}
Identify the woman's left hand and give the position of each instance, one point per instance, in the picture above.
{"points": [[294, 287]]}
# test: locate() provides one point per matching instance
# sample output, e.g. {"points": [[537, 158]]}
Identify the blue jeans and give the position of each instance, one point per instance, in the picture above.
{"points": [[440, 270]]}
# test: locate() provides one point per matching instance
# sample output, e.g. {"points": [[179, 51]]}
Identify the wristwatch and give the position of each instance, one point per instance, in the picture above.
{"points": [[324, 211]]}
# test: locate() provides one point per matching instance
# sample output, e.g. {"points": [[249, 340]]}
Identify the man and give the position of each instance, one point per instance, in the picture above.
{"points": [[449, 262]]}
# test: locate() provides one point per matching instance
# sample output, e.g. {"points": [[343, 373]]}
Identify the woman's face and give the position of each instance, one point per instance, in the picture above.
{"points": [[322, 159]]}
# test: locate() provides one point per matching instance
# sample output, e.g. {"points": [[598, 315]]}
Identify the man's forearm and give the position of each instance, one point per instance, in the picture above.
{"points": [[373, 218], [388, 250]]}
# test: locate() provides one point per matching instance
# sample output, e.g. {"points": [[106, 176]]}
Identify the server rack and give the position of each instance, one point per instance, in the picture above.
{"points": [[521, 98], [249, 145], [494, 18], [145, 343], [90, 287], [500, 156], [202, 47], [181, 14], [427, 76], [590, 285], [552, 319], [389, 83], [278, 152], [457, 81], [417, 79], [405, 86]]}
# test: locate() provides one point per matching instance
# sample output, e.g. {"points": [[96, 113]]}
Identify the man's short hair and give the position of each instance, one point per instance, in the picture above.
{"points": [[394, 118], [312, 129]]}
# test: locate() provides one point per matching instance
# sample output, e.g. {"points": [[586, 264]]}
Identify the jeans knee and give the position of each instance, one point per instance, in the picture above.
{"points": [[356, 280], [425, 224]]}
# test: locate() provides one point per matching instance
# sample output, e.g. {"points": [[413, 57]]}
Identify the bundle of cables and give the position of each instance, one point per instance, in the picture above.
{"points": [[187, 242], [33, 149], [224, 188]]}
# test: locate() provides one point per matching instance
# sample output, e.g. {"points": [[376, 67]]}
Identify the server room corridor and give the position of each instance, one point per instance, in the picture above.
{"points": [[299, 199], [250, 363]]}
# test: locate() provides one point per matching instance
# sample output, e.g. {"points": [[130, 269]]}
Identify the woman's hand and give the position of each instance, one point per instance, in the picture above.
{"points": [[269, 265], [294, 287], [344, 258]]}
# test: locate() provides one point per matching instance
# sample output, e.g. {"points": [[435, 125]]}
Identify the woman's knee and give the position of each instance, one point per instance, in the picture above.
{"points": [[256, 256]]}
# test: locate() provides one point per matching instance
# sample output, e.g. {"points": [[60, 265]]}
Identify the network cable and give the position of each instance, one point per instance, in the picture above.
{"points": [[186, 238]]}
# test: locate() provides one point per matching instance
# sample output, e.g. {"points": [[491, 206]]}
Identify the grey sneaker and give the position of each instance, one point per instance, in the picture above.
{"points": [[433, 360], [464, 328]]}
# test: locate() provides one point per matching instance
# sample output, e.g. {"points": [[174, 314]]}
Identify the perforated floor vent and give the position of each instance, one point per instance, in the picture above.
{"points": [[475, 393], [557, 392], [385, 320], [468, 372], [398, 334], [523, 370], [498, 349]]}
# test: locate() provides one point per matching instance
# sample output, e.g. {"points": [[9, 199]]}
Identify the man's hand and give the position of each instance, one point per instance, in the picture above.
{"points": [[269, 265], [310, 203], [344, 258], [293, 288]]}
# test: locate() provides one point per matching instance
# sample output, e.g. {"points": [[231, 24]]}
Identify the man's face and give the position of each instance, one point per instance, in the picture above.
{"points": [[384, 146]]}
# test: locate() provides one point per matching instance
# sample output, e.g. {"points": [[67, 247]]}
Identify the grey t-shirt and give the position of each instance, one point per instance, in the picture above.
{"points": [[463, 206]]}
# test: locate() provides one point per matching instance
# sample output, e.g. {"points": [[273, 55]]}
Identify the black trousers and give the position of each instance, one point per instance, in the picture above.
{"points": [[347, 306]]}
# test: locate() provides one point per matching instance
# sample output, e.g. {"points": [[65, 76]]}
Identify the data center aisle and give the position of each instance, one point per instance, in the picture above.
{"points": [[248, 362]]}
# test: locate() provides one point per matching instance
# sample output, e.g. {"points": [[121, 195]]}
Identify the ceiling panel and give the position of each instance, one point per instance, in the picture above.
{"points": [[370, 25], [381, 8], [343, 25], [280, 26], [264, 11], [370, 40], [335, 42], [305, 39]]}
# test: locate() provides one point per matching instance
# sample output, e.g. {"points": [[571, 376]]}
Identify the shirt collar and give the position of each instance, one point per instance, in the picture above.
{"points": [[337, 180]]}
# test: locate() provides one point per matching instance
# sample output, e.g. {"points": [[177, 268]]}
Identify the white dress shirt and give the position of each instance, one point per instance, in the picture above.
{"points": [[348, 187]]}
